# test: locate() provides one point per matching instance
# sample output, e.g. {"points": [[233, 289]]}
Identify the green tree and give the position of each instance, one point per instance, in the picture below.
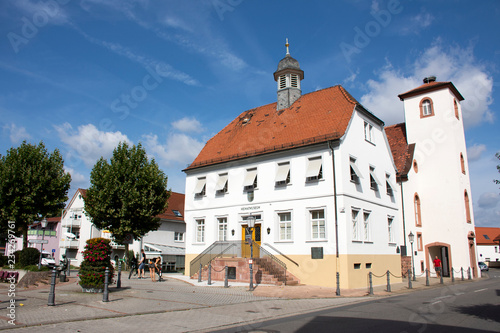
{"points": [[33, 185], [126, 194]]}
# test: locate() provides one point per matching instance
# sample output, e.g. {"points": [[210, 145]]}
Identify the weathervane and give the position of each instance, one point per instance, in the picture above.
{"points": [[287, 51]]}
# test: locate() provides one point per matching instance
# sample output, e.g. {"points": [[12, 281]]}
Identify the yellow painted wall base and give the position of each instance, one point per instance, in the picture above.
{"points": [[353, 269]]}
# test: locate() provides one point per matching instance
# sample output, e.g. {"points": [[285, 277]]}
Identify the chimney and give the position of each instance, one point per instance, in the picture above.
{"points": [[429, 79]]}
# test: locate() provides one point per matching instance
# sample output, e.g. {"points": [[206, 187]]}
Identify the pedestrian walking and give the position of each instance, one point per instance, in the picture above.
{"points": [[142, 264], [152, 269], [158, 268], [437, 266]]}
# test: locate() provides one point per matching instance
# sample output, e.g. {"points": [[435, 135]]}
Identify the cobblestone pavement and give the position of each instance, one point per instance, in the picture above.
{"points": [[175, 305]]}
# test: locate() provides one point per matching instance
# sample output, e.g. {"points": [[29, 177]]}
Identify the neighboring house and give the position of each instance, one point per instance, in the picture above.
{"points": [[488, 246], [168, 241], [50, 236], [431, 158], [317, 174], [77, 228]]}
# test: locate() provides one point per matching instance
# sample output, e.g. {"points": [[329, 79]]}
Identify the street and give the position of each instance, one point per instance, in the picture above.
{"points": [[472, 307]]}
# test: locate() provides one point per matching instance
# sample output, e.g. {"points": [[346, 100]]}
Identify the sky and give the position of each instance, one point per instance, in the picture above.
{"points": [[84, 75]]}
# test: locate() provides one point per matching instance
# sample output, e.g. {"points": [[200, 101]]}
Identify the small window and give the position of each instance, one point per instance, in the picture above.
{"points": [[366, 226], [294, 80], [179, 236], [283, 174], [426, 108], [250, 182], [374, 182], [355, 173], [420, 244], [416, 202], [368, 265], [486, 237], [415, 166], [462, 163], [455, 105], [314, 169], [390, 228], [176, 213], [200, 189], [368, 132], [467, 207], [355, 225], [221, 186], [357, 265]]}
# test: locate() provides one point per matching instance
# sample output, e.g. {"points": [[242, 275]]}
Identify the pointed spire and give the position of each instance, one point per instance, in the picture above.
{"points": [[287, 50]]}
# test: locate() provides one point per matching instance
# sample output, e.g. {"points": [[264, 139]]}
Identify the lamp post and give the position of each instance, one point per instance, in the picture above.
{"points": [[251, 225], [411, 238], [44, 225]]}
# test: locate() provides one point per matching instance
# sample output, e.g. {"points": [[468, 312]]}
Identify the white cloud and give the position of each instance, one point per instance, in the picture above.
{"points": [[423, 19], [488, 200], [76, 177], [178, 148], [43, 12], [16, 134], [474, 153], [456, 65], [187, 124], [89, 143]]}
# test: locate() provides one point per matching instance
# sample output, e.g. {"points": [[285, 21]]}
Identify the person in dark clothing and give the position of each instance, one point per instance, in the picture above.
{"points": [[158, 268], [133, 267]]}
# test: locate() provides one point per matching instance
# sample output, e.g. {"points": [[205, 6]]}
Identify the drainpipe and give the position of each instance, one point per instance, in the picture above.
{"points": [[403, 213], [330, 145]]}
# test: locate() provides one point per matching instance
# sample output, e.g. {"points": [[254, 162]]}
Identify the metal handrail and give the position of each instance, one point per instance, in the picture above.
{"points": [[208, 254], [273, 259], [281, 254]]}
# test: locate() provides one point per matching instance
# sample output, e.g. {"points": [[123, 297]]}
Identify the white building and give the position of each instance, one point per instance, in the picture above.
{"points": [[431, 158], [488, 245], [316, 171], [167, 241]]}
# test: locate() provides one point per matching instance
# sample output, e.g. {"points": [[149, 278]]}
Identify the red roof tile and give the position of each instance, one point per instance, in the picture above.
{"points": [[315, 117], [431, 86], [487, 236], [396, 135], [175, 202]]}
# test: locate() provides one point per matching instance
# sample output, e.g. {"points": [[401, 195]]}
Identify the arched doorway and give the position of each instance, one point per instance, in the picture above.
{"points": [[443, 252]]}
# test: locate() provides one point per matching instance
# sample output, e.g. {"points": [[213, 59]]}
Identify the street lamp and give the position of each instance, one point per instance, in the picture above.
{"points": [[251, 225], [411, 238], [44, 225]]}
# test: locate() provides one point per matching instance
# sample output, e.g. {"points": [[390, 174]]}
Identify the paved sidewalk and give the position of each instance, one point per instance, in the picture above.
{"points": [[178, 304]]}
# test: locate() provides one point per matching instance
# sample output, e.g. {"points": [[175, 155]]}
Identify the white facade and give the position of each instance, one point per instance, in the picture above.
{"points": [[437, 194], [488, 253], [299, 215]]}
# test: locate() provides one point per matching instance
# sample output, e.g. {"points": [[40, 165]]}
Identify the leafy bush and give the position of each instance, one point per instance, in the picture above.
{"points": [[96, 258], [29, 256], [34, 268]]}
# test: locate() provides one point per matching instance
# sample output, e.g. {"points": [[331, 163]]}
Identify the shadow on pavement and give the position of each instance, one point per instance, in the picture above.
{"points": [[483, 311]]}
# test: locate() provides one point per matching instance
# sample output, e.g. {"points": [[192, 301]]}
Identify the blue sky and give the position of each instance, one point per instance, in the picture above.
{"points": [[83, 75]]}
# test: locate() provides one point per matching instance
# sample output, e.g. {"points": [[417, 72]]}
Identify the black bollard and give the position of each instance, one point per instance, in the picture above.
{"points": [[52, 293], [462, 270], [119, 275], [105, 294], [226, 282], [409, 279], [452, 275], [199, 274], [441, 277], [69, 264], [469, 274], [338, 284], [388, 281], [427, 283], [370, 292]]}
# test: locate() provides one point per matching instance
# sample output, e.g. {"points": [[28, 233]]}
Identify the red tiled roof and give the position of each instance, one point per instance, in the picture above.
{"points": [[396, 135], [175, 202], [431, 86], [315, 117], [487, 236]]}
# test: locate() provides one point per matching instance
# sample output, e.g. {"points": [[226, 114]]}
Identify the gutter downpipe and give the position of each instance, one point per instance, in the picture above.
{"points": [[403, 213], [330, 145]]}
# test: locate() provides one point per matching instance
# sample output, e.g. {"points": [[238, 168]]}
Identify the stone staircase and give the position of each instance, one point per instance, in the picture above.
{"points": [[265, 271]]}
